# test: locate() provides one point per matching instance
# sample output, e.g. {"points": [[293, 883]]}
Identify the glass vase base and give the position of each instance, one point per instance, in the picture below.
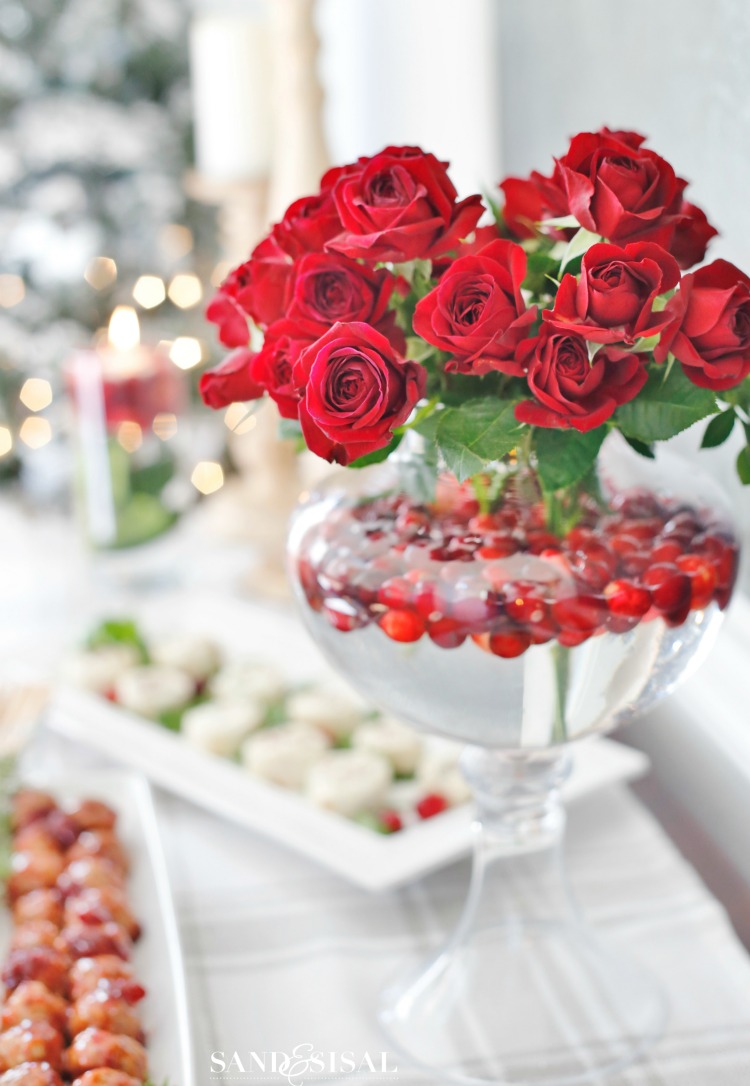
{"points": [[521, 1003]]}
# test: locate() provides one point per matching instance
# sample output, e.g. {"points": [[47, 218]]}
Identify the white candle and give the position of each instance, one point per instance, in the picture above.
{"points": [[230, 59]]}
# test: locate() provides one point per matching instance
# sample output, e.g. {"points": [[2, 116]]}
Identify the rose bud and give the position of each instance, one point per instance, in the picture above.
{"points": [[231, 381]]}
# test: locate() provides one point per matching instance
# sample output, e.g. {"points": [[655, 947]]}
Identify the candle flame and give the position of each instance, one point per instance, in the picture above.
{"points": [[124, 331]]}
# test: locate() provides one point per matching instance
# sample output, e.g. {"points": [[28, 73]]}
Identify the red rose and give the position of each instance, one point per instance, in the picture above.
{"points": [[613, 299], [330, 287], [477, 313], [709, 333], [401, 205], [570, 390], [618, 189], [259, 289], [231, 381], [692, 235], [531, 200], [356, 390], [273, 366]]}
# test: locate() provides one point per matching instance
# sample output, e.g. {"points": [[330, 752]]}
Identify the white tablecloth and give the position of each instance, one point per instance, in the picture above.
{"points": [[281, 953]]}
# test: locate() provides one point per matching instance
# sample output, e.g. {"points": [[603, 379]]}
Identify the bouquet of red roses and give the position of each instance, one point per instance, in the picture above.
{"points": [[384, 303]]}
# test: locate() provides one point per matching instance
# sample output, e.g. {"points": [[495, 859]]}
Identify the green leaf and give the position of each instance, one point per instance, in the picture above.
{"points": [[565, 222], [565, 456], [666, 405], [719, 429], [640, 447], [577, 246], [540, 269], [289, 429], [118, 631], [743, 466], [379, 455], [476, 433]]}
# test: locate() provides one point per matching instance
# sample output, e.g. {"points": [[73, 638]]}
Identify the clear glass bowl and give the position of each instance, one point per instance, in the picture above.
{"points": [[517, 629]]}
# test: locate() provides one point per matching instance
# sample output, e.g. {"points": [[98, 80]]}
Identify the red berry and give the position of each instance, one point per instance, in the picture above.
{"points": [[668, 551], [402, 625], [626, 598], [670, 591], [524, 604], [508, 642], [702, 578], [396, 592], [580, 613], [344, 615], [483, 522], [446, 633], [432, 804], [390, 821], [570, 639], [620, 624]]}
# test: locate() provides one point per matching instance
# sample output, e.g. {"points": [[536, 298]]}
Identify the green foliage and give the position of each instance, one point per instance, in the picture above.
{"points": [[565, 456], [667, 404], [541, 270], [476, 433], [118, 631], [576, 247], [743, 466], [640, 447], [719, 429]]}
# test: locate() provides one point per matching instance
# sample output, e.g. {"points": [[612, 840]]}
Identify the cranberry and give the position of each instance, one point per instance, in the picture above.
{"points": [[667, 551], [524, 604], [484, 522], [539, 540], [620, 624], [396, 592], [344, 615], [580, 613], [390, 821], [446, 632], [670, 591], [623, 544], [402, 625], [432, 804], [571, 639], [637, 503], [508, 641], [702, 578], [627, 598]]}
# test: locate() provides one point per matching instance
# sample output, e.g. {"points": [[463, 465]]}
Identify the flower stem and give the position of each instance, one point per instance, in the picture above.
{"points": [[561, 662]]}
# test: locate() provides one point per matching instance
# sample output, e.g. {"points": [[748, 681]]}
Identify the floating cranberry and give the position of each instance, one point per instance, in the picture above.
{"points": [[670, 591], [483, 522], [539, 540], [432, 804], [702, 578], [620, 624], [509, 642], [571, 639], [524, 604], [396, 592], [446, 632], [627, 598], [582, 613], [637, 503], [344, 615], [402, 625], [666, 551]]}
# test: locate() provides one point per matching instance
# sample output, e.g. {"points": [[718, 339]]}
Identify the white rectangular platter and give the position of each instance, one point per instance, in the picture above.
{"points": [[157, 956], [369, 859]]}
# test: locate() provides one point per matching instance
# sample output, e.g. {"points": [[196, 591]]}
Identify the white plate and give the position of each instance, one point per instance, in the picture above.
{"points": [[157, 957], [369, 859]]}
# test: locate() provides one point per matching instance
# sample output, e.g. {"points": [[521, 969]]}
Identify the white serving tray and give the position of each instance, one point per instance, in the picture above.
{"points": [[371, 860], [157, 956]]}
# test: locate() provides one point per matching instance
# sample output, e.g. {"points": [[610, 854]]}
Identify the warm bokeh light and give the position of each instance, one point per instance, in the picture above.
{"points": [[149, 291], [36, 393], [35, 431], [124, 331], [186, 352], [185, 290], [207, 477], [6, 441], [175, 240], [239, 419], [101, 272], [130, 435], [165, 425], [220, 272], [12, 290]]}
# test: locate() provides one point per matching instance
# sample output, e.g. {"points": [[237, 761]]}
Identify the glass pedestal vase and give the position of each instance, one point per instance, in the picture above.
{"points": [[516, 625], [523, 991]]}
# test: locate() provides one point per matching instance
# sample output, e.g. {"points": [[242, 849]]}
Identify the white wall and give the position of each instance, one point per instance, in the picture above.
{"points": [[414, 71]]}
